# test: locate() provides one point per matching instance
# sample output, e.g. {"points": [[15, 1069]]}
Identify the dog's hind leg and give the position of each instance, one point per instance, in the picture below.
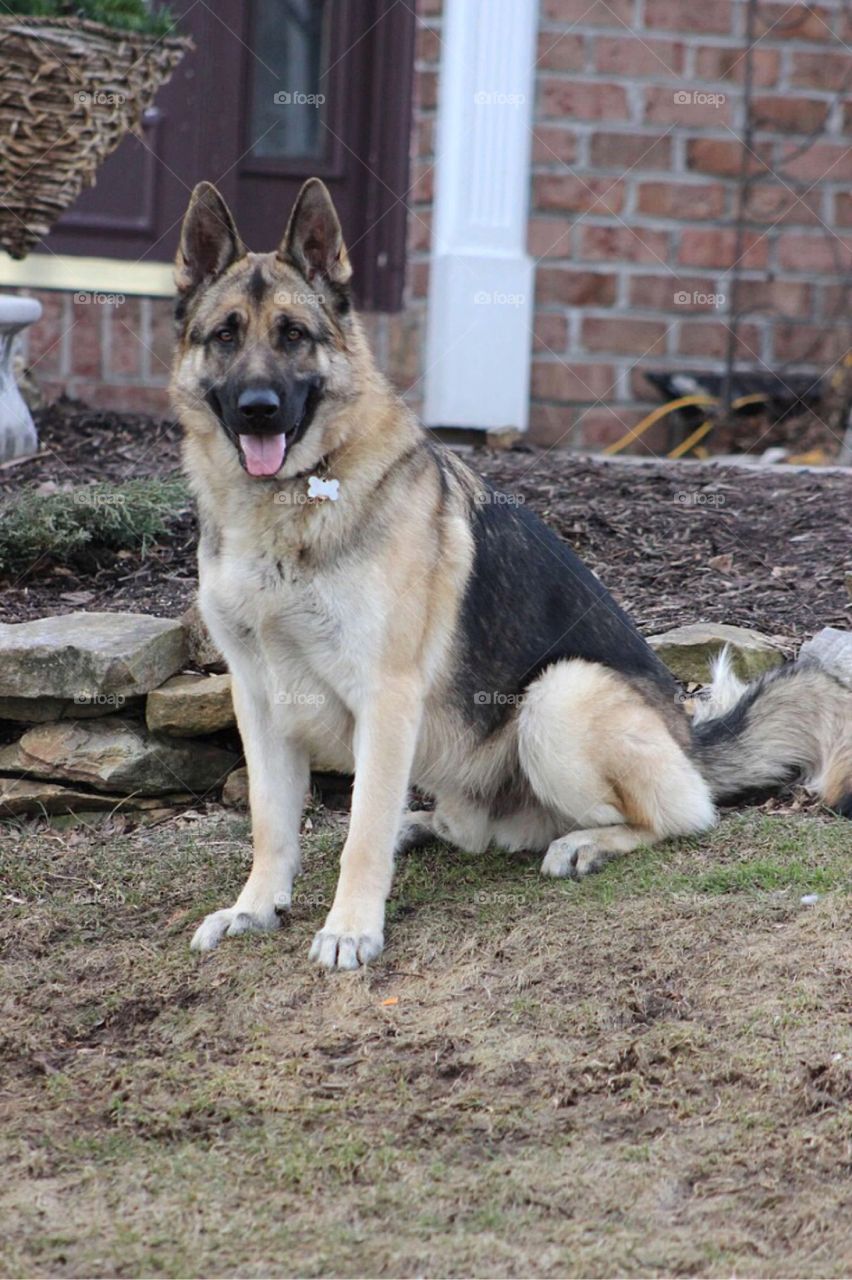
{"points": [[595, 752], [279, 775]]}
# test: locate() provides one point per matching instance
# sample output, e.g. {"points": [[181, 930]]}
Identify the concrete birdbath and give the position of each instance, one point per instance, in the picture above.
{"points": [[17, 430]]}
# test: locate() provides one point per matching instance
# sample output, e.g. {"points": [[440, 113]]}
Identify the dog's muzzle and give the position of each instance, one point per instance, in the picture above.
{"points": [[265, 422]]}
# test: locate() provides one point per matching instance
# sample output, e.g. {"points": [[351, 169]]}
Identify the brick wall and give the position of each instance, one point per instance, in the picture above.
{"points": [[636, 160], [636, 156]]}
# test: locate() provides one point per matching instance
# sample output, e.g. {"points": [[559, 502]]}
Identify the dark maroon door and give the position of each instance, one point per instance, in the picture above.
{"points": [[275, 91]]}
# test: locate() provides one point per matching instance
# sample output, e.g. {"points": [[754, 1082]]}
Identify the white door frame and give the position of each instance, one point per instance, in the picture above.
{"points": [[480, 305]]}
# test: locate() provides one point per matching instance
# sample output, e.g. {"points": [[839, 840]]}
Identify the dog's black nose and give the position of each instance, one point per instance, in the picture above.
{"points": [[257, 405]]}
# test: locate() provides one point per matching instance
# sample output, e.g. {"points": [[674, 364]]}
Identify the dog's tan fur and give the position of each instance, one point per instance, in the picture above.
{"points": [[347, 624]]}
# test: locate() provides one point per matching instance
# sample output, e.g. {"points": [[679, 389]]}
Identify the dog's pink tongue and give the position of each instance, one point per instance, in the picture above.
{"points": [[264, 455]]}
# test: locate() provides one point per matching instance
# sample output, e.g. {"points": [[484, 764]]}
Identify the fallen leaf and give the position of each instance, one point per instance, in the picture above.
{"points": [[723, 563]]}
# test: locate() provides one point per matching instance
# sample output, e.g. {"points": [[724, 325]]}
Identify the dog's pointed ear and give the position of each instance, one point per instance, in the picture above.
{"points": [[313, 241], [209, 240]]}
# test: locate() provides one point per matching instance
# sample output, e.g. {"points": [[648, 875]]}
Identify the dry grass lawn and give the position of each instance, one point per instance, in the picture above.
{"points": [[648, 1073]]}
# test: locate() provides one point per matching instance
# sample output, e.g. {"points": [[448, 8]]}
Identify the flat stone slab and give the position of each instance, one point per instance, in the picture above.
{"points": [[33, 797], [43, 710], [832, 649], [116, 755], [88, 657], [688, 651], [29, 796], [188, 706]]}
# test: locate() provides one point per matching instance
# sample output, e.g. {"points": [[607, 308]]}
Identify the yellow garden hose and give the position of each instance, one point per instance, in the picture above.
{"points": [[654, 416], [683, 403], [698, 434]]}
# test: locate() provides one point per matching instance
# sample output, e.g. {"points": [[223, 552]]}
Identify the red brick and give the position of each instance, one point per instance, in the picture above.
{"points": [[702, 107], [418, 279], [627, 56], [426, 90], [682, 200], [834, 301], [660, 293], [589, 13], [709, 340], [807, 343], [572, 382], [720, 62], [686, 15], [574, 288], [553, 144], [626, 150], [549, 237], [561, 51], [708, 247], [624, 335], [424, 137], [623, 244], [420, 232], [422, 182], [821, 70], [775, 204], [552, 425], [573, 194], [45, 338], [793, 22], [783, 297], [428, 45], [824, 161], [550, 332], [599, 101], [843, 209], [86, 344], [789, 115], [723, 157], [821, 253]]}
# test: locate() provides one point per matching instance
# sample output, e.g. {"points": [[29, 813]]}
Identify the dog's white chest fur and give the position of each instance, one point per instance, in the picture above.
{"points": [[306, 636]]}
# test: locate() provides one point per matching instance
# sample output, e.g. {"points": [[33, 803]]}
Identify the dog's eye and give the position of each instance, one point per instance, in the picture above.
{"points": [[224, 335], [294, 334]]}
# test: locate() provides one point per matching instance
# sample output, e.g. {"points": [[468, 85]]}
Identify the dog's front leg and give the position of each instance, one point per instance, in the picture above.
{"points": [[385, 740], [279, 775]]}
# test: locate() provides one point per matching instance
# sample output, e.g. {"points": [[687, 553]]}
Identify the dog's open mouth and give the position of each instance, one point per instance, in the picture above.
{"points": [[263, 455]]}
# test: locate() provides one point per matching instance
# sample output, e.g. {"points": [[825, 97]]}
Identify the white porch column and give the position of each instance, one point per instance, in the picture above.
{"points": [[480, 304]]}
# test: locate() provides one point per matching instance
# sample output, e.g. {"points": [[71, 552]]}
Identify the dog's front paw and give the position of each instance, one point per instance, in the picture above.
{"points": [[231, 922], [345, 947]]}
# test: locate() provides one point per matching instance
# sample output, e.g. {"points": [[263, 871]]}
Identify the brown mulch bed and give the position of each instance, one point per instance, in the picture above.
{"points": [[766, 549]]}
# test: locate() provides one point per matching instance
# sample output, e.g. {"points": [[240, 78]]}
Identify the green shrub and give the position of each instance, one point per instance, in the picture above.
{"points": [[128, 15], [72, 526]]}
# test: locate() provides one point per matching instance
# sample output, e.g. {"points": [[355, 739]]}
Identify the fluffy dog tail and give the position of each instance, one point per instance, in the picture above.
{"points": [[792, 725]]}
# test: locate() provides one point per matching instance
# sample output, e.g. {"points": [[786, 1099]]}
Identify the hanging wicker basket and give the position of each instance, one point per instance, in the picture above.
{"points": [[69, 91]]}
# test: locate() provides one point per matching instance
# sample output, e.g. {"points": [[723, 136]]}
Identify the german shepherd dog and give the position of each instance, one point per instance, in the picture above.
{"points": [[384, 612]]}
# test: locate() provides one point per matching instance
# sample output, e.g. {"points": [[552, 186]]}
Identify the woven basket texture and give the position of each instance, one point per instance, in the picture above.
{"points": [[69, 92]]}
